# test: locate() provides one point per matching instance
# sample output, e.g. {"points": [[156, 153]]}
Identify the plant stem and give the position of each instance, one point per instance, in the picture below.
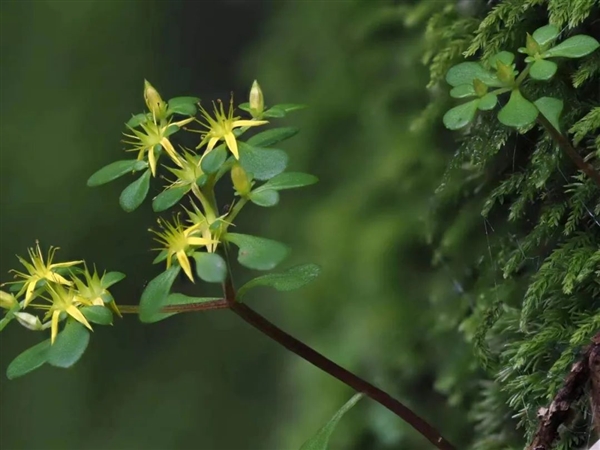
{"points": [[565, 144], [336, 371]]}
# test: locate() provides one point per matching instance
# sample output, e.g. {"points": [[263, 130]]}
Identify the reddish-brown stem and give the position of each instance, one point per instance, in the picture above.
{"points": [[190, 307], [566, 146], [336, 371]]}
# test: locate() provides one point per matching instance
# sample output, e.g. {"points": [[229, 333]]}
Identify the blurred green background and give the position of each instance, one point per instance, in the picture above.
{"points": [[72, 74]]}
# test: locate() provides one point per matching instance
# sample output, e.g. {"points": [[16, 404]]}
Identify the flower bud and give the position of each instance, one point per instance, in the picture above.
{"points": [[480, 87], [154, 102], [7, 301], [241, 180], [532, 46], [257, 101], [505, 73], [29, 321]]}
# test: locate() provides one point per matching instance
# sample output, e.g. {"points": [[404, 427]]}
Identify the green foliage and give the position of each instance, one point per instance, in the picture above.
{"points": [[70, 344], [210, 267], [134, 194], [258, 253], [156, 293], [320, 441], [291, 279], [115, 170], [31, 359]]}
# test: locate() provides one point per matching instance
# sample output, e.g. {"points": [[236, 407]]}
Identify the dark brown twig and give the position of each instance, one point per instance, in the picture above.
{"points": [[566, 146], [559, 410], [336, 371]]}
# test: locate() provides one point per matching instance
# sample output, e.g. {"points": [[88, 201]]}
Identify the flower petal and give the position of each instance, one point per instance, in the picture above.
{"points": [[30, 288], [185, 264], [54, 332], [232, 144], [170, 151], [211, 144], [152, 161], [77, 315], [248, 123]]}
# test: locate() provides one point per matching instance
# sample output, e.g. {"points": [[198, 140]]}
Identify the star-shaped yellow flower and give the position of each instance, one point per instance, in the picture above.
{"points": [[221, 127], [67, 301], [40, 270], [177, 241]]}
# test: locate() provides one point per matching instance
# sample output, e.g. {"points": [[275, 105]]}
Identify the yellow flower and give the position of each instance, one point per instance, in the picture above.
{"points": [[40, 270], [66, 301], [177, 241], [154, 134], [188, 173], [221, 128], [93, 291], [154, 101], [209, 227]]}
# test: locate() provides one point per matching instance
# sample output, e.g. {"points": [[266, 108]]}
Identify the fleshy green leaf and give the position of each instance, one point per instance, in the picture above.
{"points": [[465, 73], [258, 253], [162, 255], [551, 108], [177, 299], [487, 102], [115, 170], [134, 194], [293, 278], [262, 163], [110, 278], [506, 58], [171, 129], [461, 115], [98, 314], [462, 91], [545, 34], [272, 136], [244, 106], [265, 197], [543, 70], [210, 267], [289, 107], [213, 160], [320, 441], [518, 112], [155, 295], [169, 197], [31, 359], [275, 112], [69, 345], [574, 47], [183, 105], [289, 180], [137, 120]]}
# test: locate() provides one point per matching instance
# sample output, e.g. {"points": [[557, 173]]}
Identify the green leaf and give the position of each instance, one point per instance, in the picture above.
{"points": [[168, 198], [258, 253], [487, 102], [274, 111], [6, 320], [289, 107], [272, 136], [289, 180], [115, 170], [98, 314], [461, 115], [29, 360], [244, 106], [265, 197], [69, 345], [262, 163], [171, 129], [137, 120], [134, 194], [551, 108], [506, 58], [543, 70], [320, 441], [462, 91], [177, 299], [162, 255], [293, 278], [183, 105], [210, 267], [155, 295], [213, 160], [465, 73], [518, 112], [574, 47], [545, 34], [110, 278]]}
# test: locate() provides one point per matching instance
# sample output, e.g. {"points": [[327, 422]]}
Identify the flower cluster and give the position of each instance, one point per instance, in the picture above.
{"points": [[65, 291]]}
